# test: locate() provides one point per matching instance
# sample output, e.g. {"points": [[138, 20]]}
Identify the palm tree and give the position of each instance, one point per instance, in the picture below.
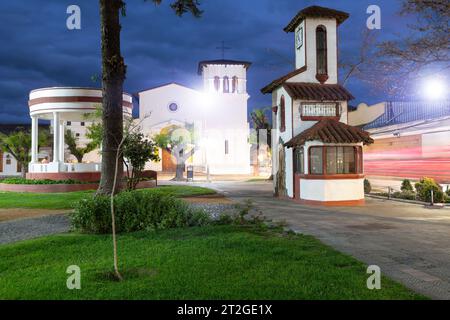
{"points": [[113, 76]]}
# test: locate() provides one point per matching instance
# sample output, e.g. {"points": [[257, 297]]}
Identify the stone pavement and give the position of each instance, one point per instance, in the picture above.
{"points": [[410, 244]]}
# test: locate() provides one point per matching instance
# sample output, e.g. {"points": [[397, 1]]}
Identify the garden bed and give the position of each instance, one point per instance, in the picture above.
{"points": [[62, 187], [47, 188]]}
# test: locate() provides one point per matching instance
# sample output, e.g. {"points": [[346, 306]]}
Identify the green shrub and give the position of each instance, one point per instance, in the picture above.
{"points": [[424, 188], [407, 195], [42, 181], [367, 186], [406, 186], [135, 211]]}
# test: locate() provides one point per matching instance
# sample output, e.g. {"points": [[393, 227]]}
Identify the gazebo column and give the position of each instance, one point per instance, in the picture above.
{"points": [[34, 139], [56, 139], [61, 141]]}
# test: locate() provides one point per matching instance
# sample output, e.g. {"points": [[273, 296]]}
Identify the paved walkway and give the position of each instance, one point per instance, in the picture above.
{"points": [[24, 229], [411, 244]]}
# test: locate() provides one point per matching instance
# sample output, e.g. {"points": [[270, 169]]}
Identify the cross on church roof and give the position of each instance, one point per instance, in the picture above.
{"points": [[223, 48]]}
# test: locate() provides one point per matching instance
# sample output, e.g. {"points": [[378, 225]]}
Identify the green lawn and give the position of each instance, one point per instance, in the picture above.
{"points": [[215, 262], [66, 200]]}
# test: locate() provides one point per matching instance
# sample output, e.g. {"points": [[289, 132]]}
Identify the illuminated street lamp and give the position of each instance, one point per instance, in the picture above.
{"points": [[435, 89]]}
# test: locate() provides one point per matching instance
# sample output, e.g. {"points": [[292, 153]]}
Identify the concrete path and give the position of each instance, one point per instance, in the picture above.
{"points": [[409, 243], [24, 229]]}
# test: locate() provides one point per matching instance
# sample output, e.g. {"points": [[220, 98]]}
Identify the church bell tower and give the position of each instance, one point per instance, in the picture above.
{"points": [[224, 76]]}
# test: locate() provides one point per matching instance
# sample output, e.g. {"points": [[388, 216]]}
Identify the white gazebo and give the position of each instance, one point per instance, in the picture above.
{"points": [[60, 105]]}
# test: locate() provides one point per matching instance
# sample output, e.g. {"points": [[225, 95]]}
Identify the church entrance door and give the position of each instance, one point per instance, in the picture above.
{"points": [[168, 163]]}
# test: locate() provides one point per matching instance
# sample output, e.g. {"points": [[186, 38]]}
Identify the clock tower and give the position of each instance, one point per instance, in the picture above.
{"points": [[316, 43]]}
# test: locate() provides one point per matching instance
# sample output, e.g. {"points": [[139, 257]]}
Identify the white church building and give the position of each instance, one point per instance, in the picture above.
{"points": [[218, 114], [317, 156]]}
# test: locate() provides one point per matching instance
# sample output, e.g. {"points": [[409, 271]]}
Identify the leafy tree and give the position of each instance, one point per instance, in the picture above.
{"points": [[137, 150], [72, 143], [18, 144], [113, 76], [406, 186], [179, 142], [424, 187]]}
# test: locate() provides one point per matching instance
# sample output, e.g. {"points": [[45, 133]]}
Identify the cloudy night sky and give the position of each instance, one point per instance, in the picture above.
{"points": [[159, 47]]}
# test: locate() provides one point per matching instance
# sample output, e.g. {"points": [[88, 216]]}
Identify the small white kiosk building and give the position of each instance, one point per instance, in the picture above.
{"points": [[62, 105], [317, 157]]}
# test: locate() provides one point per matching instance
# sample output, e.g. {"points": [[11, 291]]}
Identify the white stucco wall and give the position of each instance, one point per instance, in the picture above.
{"points": [[9, 169], [213, 70], [332, 190], [300, 53], [309, 44], [218, 117]]}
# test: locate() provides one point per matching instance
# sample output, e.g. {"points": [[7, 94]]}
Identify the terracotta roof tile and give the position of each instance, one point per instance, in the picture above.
{"points": [[278, 82], [331, 131], [316, 91], [316, 11]]}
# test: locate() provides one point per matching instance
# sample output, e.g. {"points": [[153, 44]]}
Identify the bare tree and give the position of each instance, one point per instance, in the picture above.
{"points": [[357, 65], [425, 51]]}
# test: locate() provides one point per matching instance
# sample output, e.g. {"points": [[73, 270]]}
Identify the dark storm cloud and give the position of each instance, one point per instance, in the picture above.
{"points": [[158, 47]]}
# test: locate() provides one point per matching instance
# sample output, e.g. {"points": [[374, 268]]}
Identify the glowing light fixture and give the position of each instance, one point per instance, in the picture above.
{"points": [[435, 89]]}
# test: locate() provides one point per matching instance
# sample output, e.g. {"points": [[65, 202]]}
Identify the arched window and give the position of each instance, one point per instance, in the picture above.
{"points": [[217, 83], [321, 53], [226, 85], [235, 84], [282, 114]]}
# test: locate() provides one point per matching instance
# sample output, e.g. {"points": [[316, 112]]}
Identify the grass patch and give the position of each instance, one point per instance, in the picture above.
{"points": [[66, 200], [213, 262], [41, 200]]}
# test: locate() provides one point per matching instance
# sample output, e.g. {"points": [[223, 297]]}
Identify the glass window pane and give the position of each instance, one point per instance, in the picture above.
{"points": [[331, 160], [349, 160], [340, 160], [316, 160], [299, 161]]}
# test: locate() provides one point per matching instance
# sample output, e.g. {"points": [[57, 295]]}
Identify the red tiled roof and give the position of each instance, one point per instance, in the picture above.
{"points": [[317, 91], [276, 83], [316, 11], [331, 131], [201, 64]]}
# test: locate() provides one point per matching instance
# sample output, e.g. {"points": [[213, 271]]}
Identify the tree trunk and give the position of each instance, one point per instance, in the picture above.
{"points": [[179, 175], [113, 75], [256, 173], [23, 170], [80, 158]]}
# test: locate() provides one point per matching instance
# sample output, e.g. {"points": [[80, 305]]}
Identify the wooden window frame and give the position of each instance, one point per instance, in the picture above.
{"points": [[323, 76], [318, 118], [358, 156], [282, 114], [227, 147], [296, 150]]}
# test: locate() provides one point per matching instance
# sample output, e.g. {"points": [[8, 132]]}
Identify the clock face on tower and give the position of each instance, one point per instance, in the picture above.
{"points": [[299, 38]]}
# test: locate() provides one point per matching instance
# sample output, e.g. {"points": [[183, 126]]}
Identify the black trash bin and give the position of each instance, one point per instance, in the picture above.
{"points": [[190, 173]]}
